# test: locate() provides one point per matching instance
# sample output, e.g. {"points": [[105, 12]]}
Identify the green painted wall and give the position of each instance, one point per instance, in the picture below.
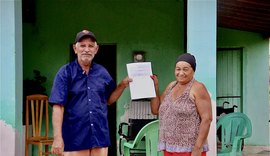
{"points": [[153, 26], [157, 27], [255, 79]]}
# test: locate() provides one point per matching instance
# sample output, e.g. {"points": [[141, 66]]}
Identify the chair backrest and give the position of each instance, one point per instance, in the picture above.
{"points": [[135, 125], [234, 128], [150, 133], [37, 107], [151, 140]]}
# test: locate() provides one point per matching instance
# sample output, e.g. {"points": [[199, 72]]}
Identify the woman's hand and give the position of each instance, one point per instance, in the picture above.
{"points": [[196, 152], [155, 79]]}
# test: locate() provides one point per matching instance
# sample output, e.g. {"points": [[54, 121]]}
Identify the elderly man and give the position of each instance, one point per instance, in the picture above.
{"points": [[80, 94]]}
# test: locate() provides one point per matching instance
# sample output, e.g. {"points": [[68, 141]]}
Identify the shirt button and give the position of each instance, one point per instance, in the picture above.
{"points": [[89, 99]]}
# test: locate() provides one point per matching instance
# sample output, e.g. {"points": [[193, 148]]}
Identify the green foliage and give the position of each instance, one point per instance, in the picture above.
{"points": [[35, 85]]}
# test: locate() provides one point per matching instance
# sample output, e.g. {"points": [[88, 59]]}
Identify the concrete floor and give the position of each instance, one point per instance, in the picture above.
{"points": [[256, 151]]}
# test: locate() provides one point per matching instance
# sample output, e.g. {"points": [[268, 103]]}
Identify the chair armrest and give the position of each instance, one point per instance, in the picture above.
{"points": [[129, 145], [120, 129]]}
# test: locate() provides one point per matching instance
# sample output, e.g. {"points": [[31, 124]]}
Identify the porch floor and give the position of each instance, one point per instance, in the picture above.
{"points": [[256, 151]]}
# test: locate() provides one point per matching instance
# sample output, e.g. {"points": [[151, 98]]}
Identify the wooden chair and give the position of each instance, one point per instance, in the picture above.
{"points": [[37, 104]]}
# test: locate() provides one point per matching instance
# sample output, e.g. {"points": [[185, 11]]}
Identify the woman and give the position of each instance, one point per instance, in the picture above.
{"points": [[184, 110]]}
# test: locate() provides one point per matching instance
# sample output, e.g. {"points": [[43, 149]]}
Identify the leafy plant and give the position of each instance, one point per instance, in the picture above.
{"points": [[34, 86]]}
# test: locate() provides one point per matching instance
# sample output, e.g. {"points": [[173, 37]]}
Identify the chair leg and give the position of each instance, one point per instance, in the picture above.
{"points": [[26, 150], [46, 150], [126, 151], [40, 149]]}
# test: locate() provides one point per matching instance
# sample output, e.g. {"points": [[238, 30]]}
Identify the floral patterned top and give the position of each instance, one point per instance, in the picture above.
{"points": [[179, 122]]}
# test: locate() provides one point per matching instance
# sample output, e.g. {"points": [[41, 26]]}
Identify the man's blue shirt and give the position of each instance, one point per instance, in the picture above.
{"points": [[84, 98]]}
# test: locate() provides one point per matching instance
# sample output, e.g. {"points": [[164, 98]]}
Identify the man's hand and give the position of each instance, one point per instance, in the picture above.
{"points": [[125, 82], [58, 146]]}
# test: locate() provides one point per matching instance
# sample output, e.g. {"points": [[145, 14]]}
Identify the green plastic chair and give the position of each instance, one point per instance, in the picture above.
{"points": [[150, 134], [235, 127]]}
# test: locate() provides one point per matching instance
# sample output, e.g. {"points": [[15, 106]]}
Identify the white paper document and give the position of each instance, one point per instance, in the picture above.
{"points": [[142, 85]]}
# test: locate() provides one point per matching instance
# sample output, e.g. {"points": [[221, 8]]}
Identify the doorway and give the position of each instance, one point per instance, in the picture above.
{"points": [[229, 78], [106, 56]]}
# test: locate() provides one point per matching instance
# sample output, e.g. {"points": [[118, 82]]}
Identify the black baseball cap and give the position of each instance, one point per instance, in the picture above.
{"points": [[84, 34]]}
